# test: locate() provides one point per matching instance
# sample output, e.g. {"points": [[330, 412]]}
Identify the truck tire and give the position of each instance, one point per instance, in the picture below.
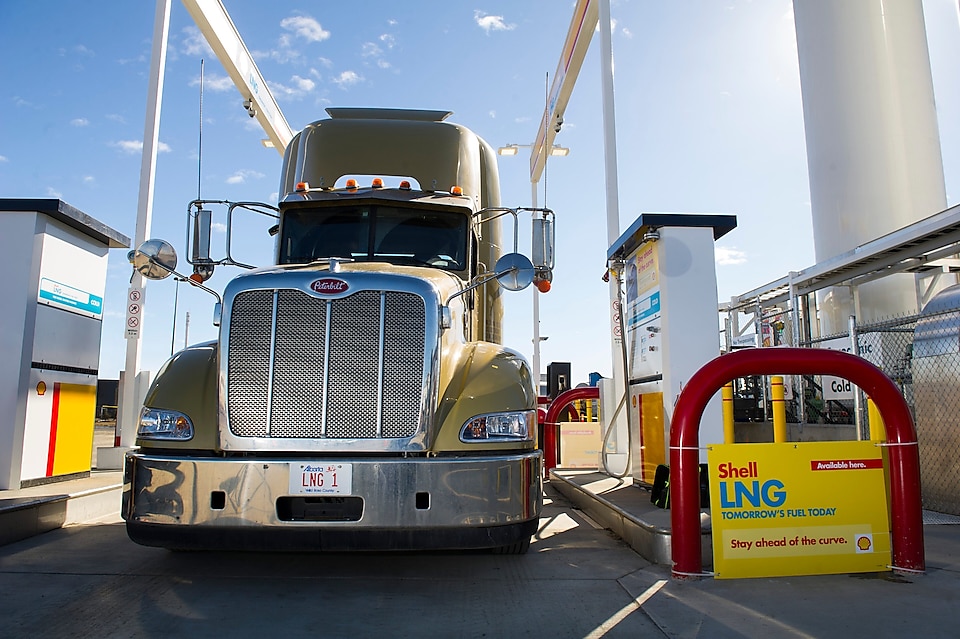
{"points": [[517, 548]]}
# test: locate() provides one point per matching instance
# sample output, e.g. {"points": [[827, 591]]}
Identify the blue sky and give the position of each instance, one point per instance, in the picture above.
{"points": [[708, 112]]}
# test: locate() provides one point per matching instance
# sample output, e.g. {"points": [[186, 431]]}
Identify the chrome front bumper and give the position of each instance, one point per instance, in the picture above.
{"points": [[467, 502]]}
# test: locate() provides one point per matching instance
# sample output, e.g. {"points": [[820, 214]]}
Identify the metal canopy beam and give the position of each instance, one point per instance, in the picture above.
{"points": [[221, 34], [579, 34], [906, 250]]}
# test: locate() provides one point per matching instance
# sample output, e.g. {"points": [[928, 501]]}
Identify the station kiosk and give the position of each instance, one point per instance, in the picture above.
{"points": [[54, 263], [670, 319]]}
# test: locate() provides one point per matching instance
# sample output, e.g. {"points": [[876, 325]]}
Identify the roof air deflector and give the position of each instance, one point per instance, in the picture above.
{"points": [[361, 113]]}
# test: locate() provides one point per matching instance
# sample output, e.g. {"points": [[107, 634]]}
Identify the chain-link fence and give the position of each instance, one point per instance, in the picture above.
{"points": [[921, 354], [936, 385], [888, 345]]}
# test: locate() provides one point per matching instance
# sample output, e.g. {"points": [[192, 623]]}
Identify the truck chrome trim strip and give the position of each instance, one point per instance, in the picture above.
{"points": [[273, 348], [380, 347], [326, 370]]}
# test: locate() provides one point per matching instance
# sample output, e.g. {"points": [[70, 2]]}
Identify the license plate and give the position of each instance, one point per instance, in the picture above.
{"points": [[321, 479]]}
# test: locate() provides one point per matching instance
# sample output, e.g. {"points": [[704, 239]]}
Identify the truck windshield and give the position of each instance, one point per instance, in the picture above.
{"points": [[393, 234]]}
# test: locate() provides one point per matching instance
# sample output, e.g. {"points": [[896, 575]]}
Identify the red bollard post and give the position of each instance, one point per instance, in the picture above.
{"points": [[551, 435], [905, 508]]}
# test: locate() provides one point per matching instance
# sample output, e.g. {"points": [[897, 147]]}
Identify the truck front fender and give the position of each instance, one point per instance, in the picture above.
{"points": [[187, 383], [486, 378]]}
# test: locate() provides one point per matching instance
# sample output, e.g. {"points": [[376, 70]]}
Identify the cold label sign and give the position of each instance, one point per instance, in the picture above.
{"points": [[321, 479]]}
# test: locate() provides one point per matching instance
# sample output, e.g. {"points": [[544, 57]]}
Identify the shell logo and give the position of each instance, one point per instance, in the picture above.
{"points": [[329, 286]]}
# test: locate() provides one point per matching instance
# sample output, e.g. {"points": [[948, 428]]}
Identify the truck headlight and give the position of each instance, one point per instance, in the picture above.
{"points": [[157, 423], [512, 426]]}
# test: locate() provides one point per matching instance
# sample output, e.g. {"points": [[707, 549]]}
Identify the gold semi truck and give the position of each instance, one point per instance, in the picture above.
{"points": [[358, 396]]}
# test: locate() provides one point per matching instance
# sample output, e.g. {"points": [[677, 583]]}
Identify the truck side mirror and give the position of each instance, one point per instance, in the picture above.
{"points": [[202, 230], [543, 243], [514, 271], [154, 259]]}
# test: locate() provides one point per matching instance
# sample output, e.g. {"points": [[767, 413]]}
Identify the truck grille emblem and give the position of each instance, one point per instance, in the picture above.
{"points": [[328, 285]]}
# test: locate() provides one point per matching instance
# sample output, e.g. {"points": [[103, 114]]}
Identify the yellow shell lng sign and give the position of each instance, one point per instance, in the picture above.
{"points": [[808, 508]]}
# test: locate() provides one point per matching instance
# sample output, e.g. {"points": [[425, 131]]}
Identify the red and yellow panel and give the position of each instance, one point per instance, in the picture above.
{"points": [[58, 439]]}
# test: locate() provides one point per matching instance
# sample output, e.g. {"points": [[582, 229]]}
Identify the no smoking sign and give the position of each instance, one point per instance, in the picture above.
{"points": [[134, 311]]}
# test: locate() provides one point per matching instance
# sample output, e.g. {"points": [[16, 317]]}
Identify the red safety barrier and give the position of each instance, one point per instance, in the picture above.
{"points": [[551, 426], [905, 509]]}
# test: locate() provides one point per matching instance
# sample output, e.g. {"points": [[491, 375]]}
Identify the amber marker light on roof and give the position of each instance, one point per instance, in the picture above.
{"points": [[377, 183], [456, 190], [302, 186], [351, 184], [405, 185]]}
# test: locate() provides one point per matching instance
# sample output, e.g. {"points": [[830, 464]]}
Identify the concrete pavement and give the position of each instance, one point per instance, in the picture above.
{"points": [[843, 605], [857, 605]]}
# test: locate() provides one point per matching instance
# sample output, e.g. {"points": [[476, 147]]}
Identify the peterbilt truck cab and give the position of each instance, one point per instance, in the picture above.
{"points": [[358, 396]]}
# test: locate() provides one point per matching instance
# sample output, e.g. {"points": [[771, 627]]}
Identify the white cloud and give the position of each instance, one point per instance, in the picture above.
{"points": [[79, 122], [88, 179], [52, 192], [218, 227], [115, 117], [297, 27], [242, 175], [373, 50], [194, 44], [215, 83], [492, 114], [303, 84], [300, 86], [305, 27], [283, 55], [347, 78], [491, 23], [4, 158], [78, 50], [131, 147], [729, 256]]}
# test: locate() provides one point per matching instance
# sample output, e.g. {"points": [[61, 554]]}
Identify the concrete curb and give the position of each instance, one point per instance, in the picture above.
{"points": [[625, 510], [23, 516]]}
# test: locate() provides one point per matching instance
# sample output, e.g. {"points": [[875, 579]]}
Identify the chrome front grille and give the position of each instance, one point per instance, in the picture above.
{"points": [[299, 366]]}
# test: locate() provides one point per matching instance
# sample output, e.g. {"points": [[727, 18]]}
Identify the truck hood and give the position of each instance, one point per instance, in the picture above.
{"points": [[445, 283]]}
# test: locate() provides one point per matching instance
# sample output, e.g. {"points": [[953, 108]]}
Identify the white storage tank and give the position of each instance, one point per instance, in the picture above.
{"points": [[873, 146]]}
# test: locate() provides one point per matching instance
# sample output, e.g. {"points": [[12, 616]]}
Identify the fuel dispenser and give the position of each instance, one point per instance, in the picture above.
{"points": [[55, 268], [669, 306]]}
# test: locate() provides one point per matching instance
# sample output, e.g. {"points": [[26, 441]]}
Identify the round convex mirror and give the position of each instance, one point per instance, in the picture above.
{"points": [[155, 259], [514, 271]]}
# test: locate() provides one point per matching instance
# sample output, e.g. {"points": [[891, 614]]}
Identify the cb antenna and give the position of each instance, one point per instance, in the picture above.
{"points": [[200, 134], [545, 151]]}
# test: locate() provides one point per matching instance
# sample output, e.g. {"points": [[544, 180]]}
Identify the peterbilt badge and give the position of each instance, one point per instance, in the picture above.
{"points": [[328, 286]]}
